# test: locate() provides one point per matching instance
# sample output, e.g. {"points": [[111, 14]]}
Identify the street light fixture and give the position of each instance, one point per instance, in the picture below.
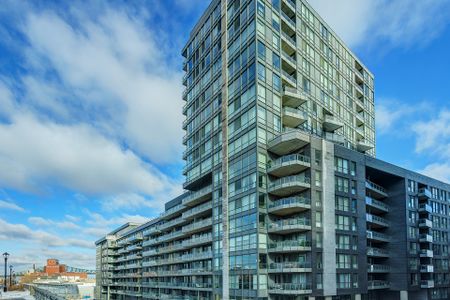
{"points": [[5, 255]]}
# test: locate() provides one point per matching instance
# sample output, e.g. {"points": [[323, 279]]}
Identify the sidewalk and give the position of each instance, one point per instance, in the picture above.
{"points": [[25, 295]]}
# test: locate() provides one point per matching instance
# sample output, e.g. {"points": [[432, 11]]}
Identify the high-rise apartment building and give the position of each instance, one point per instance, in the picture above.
{"points": [[284, 198]]}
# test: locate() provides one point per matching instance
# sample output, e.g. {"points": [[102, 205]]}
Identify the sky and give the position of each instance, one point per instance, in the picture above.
{"points": [[90, 109]]}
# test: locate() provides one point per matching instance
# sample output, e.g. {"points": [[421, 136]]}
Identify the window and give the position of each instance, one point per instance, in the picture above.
{"points": [[276, 61], [343, 261], [343, 281], [261, 8], [342, 203], [261, 72], [318, 219], [342, 222], [261, 50], [343, 242], [341, 165], [342, 184], [276, 82]]}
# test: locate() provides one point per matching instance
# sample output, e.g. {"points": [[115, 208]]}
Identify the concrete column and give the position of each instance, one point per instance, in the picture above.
{"points": [[358, 297], [328, 219], [311, 298], [328, 298], [403, 295]]}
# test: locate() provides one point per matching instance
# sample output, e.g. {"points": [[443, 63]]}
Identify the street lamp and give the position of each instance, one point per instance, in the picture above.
{"points": [[5, 255], [10, 276]]}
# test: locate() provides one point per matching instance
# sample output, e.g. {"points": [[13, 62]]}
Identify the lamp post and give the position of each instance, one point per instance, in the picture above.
{"points": [[10, 276], [5, 255]]}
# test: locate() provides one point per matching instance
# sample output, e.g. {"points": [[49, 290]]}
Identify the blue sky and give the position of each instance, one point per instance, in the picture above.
{"points": [[90, 109]]}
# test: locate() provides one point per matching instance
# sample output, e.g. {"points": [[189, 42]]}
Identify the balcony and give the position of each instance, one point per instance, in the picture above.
{"points": [[288, 142], [426, 269], [286, 19], [363, 145], [377, 236], [290, 288], [331, 123], [287, 226], [288, 78], [172, 211], [427, 284], [293, 98], [196, 241], [289, 205], [288, 165], [293, 117], [378, 268], [290, 4], [425, 223], [335, 138], [289, 246], [289, 41], [376, 190], [376, 221], [378, 285], [289, 185], [425, 238], [425, 208], [197, 226], [376, 205], [426, 253], [377, 252], [424, 193], [290, 267], [194, 198], [291, 62], [198, 211]]}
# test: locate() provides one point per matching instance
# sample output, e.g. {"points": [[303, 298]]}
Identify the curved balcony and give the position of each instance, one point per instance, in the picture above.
{"points": [[289, 164], [288, 142], [290, 267], [331, 123], [194, 198], [293, 117], [287, 206], [290, 288], [289, 185], [289, 246], [293, 97], [290, 225], [363, 145]]}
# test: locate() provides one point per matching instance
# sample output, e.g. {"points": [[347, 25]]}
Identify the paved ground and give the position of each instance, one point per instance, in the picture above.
{"points": [[16, 296]]}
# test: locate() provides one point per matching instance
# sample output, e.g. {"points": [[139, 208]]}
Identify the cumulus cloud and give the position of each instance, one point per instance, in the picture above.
{"points": [[10, 206], [39, 221], [396, 23], [18, 232]]}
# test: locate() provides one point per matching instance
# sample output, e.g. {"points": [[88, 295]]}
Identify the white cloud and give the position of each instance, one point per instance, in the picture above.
{"points": [[396, 23], [392, 114], [77, 157], [131, 202], [10, 206], [117, 72], [438, 171], [19, 232], [39, 221]]}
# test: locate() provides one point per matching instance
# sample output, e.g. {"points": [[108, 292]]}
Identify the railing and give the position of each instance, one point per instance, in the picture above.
{"points": [[378, 268], [289, 158], [377, 235], [376, 251], [290, 201], [290, 286], [290, 265], [288, 58], [289, 223], [290, 244], [197, 209], [289, 180], [172, 210], [376, 203], [197, 194], [376, 219], [196, 225], [375, 186], [289, 20], [377, 284], [287, 37], [292, 3], [196, 240], [290, 77]]}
